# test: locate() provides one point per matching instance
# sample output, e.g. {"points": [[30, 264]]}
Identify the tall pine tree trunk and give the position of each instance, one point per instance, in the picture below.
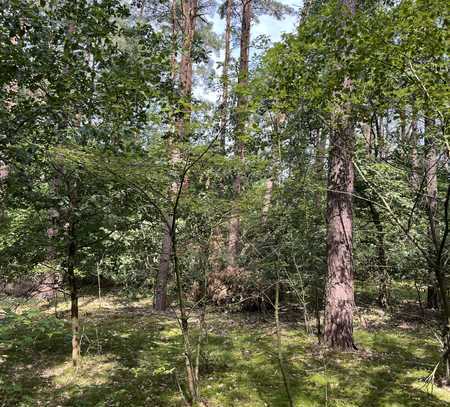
{"points": [[339, 289], [339, 285], [225, 76], [431, 189], [189, 12], [160, 292], [216, 241], [241, 116]]}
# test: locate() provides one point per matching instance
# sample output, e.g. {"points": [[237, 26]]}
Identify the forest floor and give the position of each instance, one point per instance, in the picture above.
{"points": [[132, 356]]}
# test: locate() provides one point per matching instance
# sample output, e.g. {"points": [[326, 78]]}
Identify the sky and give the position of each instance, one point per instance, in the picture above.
{"points": [[266, 25]]}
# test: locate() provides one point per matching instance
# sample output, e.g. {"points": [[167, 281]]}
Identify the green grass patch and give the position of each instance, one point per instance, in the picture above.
{"points": [[133, 357]]}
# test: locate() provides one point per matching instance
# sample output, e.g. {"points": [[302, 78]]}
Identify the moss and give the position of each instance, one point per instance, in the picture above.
{"points": [[132, 357]]}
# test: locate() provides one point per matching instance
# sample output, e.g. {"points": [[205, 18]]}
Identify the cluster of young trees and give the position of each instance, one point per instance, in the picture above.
{"points": [[112, 167]]}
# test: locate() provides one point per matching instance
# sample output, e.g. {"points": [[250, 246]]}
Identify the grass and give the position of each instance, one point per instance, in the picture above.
{"points": [[131, 357]]}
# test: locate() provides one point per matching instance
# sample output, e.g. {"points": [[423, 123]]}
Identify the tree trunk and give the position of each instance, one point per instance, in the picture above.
{"points": [[438, 240], [4, 172], [189, 11], [191, 377], [276, 163], [267, 200], [319, 169], [367, 133], [380, 143], [306, 9], [432, 295], [162, 277], [339, 290], [317, 308], [241, 115], [339, 285], [225, 76], [76, 352], [440, 275], [160, 297], [382, 274], [431, 163], [415, 177], [376, 152], [234, 230], [173, 22], [217, 238], [11, 89]]}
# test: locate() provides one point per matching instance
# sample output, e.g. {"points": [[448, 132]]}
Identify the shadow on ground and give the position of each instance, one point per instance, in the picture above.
{"points": [[133, 357]]}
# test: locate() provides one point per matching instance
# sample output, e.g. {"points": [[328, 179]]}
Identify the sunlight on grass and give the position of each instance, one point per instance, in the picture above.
{"points": [[94, 370], [132, 357]]}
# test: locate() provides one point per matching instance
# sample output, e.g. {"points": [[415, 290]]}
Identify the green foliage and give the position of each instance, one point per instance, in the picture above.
{"points": [[90, 116], [79, 75]]}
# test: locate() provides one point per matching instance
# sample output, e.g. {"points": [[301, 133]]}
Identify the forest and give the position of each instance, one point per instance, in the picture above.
{"points": [[197, 209]]}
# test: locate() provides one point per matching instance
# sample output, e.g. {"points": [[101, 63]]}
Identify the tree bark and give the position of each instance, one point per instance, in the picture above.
{"points": [[234, 230], [4, 172], [76, 351], [189, 11], [225, 76], [339, 286], [71, 264], [367, 133], [339, 289], [217, 238], [160, 297], [431, 163], [173, 22], [241, 115], [415, 177]]}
